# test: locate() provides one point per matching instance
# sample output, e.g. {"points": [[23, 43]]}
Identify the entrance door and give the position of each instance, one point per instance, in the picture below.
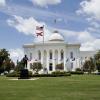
{"points": [[50, 67]]}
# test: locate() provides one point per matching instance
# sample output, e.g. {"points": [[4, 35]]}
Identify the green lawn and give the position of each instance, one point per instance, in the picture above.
{"points": [[82, 87]]}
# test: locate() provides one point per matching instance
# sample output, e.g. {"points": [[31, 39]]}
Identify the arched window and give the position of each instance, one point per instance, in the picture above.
{"points": [[50, 67], [71, 55], [62, 55], [50, 55]]}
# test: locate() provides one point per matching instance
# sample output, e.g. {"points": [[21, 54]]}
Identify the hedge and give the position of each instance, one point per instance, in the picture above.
{"points": [[17, 74], [13, 74], [77, 72], [60, 72], [51, 75], [54, 74]]}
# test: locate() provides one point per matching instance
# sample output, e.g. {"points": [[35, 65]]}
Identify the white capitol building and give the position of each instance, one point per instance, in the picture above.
{"points": [[56, 51]]}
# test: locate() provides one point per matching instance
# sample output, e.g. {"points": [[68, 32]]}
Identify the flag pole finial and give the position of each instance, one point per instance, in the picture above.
{"points": [[55, 23]]}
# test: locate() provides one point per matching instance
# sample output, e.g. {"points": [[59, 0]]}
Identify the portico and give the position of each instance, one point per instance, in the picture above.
{"points": [[53, 52]]}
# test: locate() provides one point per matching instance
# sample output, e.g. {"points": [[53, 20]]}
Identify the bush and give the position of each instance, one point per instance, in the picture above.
{"points": [[51, 75], [13, 74], [78, 69], [36, 66], [59, 72], [30, 74], [17, 74], [77, 72], [54, 74]]}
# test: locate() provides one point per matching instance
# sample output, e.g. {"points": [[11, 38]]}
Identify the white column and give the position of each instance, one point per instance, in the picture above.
{"points": [[42, 58], [65, 64], [47, 62], [53, 60], [59, 57]]}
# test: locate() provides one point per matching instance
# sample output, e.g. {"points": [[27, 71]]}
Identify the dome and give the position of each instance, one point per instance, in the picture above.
{"points": [[56, 37]]}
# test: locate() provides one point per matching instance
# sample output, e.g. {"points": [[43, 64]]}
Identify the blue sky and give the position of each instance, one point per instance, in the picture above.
{"points": [[77, 20]]}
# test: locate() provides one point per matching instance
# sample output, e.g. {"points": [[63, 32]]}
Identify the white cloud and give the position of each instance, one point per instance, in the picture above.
{"points": [[27, 26], [91, 46], [85, 36], [95, 24], [16, 54], [2, 3], [45, 3], [94, 27], [87, 46], [88, 42], [91, 8]]}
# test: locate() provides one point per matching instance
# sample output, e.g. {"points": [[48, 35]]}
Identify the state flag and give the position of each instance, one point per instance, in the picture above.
{"points": [[39, 30]]}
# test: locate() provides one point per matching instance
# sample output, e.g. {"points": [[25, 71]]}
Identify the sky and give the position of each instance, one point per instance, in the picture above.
{"points": [[77, 20]]}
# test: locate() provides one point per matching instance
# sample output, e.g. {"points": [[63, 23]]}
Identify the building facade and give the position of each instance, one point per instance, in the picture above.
{"points": [[55, 52]]}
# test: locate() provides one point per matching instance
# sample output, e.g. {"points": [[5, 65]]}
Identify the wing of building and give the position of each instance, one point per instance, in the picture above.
{"points": [[56, 52]]}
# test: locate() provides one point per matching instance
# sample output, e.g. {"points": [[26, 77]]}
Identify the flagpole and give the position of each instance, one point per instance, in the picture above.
{"points": [[55, 22], [43, 34]]}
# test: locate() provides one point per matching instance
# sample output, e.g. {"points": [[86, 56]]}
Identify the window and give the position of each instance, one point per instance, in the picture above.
{"points": [[39, 55], [62, 55], [50, 66], [50, 55], [71, 54], [30, 56]]}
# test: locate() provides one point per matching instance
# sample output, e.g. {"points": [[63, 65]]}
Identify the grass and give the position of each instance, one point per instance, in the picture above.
{"points": [[78, 87]]}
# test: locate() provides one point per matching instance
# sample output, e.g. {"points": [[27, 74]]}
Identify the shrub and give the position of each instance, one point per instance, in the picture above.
{"points": [[54, 74], [59, 72], [30, 74], [51, 75], [17, 74], [13, 74], [36, 66], [78, 69], [77, 72]]}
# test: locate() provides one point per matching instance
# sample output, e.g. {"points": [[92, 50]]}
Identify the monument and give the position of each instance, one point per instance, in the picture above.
{"points": [[24, 74]]}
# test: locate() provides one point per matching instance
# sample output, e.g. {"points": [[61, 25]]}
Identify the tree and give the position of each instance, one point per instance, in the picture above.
{"points": [[60, 66], [97, 55], [5, 62], [4, 55], [19, 66], [97, 60], [36, 66], [8, 65], [89, 65]]}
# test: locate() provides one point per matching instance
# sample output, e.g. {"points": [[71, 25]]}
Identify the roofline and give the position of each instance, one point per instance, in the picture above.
{"points": [[76, 44], [49, 43]]}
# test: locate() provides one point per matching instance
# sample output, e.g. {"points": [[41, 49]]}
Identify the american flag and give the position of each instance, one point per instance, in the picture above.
{"points": [[39, 30]]}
